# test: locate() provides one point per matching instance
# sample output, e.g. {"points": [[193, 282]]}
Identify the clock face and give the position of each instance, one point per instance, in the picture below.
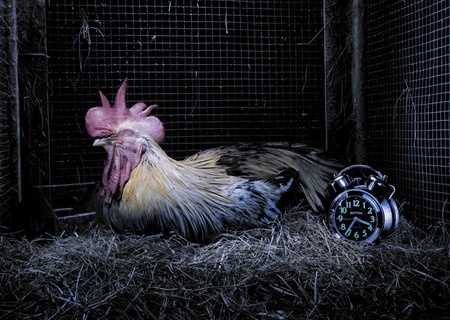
{"points": [[355, 217]]}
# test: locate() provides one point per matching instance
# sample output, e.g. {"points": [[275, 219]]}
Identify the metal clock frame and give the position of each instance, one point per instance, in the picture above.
{"points": [[373, 188]]}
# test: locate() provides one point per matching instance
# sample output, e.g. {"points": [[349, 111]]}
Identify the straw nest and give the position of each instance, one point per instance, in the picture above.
{"points": [[293, 269]]}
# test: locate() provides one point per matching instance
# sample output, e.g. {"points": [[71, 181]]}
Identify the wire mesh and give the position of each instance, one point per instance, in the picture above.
{"points": [[5, 157], [220, 71], [408, 76]]}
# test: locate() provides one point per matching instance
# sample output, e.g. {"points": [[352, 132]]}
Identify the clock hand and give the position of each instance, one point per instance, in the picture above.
{"points": [[349, 230], [362, 221]]}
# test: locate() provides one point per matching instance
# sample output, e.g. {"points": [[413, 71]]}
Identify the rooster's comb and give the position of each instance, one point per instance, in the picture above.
{"points": [[105, 120]]}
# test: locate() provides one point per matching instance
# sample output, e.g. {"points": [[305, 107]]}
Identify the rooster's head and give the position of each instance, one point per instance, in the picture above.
{"points": [[124, 133]]}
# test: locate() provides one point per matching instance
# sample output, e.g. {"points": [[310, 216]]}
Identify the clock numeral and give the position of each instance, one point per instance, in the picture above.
{"points": [[343, 210], [370, 228], [356, 203], [364, 233], [372, 218], [356, 235], [348, 232], [370, 210], [340, 218], [343, 227]]}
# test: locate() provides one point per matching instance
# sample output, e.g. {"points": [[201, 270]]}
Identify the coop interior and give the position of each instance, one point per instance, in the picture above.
{"points": [[367, 82]]}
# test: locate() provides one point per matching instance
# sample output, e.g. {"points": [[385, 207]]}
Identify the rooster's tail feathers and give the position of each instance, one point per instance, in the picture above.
{"points": [[262, 161]]}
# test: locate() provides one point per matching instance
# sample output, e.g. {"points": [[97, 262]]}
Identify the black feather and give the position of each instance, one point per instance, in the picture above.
{"points": [[262, 161]]}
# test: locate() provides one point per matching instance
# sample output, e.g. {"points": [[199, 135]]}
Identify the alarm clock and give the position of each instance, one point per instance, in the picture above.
{"points": [[361, 206]]}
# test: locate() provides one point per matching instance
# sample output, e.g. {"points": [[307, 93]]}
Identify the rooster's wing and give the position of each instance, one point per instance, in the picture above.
{"points": [[263, 161]]}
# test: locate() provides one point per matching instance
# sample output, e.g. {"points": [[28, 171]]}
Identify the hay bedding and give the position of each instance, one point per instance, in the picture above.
{"points": [[290, 270]]}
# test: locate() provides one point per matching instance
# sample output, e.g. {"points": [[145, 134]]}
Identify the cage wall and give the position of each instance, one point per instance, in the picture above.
{"points": [[5, 121], [221, 72], [408, 99]]}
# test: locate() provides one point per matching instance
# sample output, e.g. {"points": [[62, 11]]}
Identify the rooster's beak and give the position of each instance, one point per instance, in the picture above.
{"points": [[101, 142], [107, 142]]}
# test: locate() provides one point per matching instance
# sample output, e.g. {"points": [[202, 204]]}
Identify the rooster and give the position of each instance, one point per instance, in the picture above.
{"points": [[232, 187]]}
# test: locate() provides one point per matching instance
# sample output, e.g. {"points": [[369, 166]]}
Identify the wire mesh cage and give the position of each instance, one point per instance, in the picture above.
{"points": [[220, 71], [408, 61], [231, 71]]}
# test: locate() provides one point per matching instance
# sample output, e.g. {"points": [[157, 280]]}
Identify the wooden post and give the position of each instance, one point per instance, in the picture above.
{"points": [[358, 80], [14, 88], [325, 75]]}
